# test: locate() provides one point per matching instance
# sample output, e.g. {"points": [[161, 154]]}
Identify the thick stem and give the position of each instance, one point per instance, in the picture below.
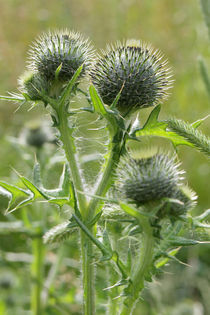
{"points": [[37, 276], [137, 277], [86, 244], [88, 275], [69, 148]]}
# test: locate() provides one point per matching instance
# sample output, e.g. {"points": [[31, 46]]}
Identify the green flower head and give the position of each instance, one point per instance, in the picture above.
{"points": [[135, 69], [148, 179], [33, 85], [63, 50]]}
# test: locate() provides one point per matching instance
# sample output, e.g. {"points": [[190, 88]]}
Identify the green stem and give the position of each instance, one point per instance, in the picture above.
{"points": [[113, 303], [88, 275], [37, 276], [36, 267], [52, 275], [116, 146], [86, 244], [137, 277], [69, 148]]}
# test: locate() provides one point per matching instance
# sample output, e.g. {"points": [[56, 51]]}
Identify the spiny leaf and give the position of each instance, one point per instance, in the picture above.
{"points": [[153, 127], [163, 260], [59, 196], [37, 175], [97, 101], [190, 134], [19, 197], [66, 93], [33, 189]]}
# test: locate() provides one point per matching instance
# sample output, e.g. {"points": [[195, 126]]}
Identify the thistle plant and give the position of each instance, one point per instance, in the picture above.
{"points": [[143, 191]]}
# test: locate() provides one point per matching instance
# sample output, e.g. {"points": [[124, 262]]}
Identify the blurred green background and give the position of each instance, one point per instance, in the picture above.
{"points": [[175, 27]]}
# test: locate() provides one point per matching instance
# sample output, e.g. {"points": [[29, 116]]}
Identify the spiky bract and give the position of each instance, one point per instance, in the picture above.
{"points": [[33, 85], [148, 179], [184, 200], [135, 69], [64, 49]]}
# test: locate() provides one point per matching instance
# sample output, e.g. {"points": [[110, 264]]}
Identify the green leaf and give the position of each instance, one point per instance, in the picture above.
{"points": [[19, 197], [134, 212], [65, 182], [59, 196], [95, 219], [97, 101], [182, 241], [57, 71], [106, 241], [153, 127], [129, 210], [33, 189], [59, 201], [67, 91], [115, 102], [198, 122], [162, 261]]}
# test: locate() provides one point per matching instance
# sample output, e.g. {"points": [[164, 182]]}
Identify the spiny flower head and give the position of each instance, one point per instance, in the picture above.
{"points": [[33, 85], [148, 179], [64, 49], [135, 69]]}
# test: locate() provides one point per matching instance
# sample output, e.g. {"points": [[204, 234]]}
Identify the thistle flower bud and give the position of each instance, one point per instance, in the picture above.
{"points": [[148, 179], [33, 85], [136, 70], [37, 134], [64, 49]]}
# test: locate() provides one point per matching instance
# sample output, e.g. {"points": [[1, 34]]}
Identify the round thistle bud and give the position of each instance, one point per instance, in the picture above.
{"points": [[37, 134], [33, 85], [148, 179], [64, 49], [136, 70]]}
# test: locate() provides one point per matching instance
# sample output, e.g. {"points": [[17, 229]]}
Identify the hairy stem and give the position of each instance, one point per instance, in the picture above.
{"points": [[88, 275], [69, 148], [86, 244], [137, 277]]}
